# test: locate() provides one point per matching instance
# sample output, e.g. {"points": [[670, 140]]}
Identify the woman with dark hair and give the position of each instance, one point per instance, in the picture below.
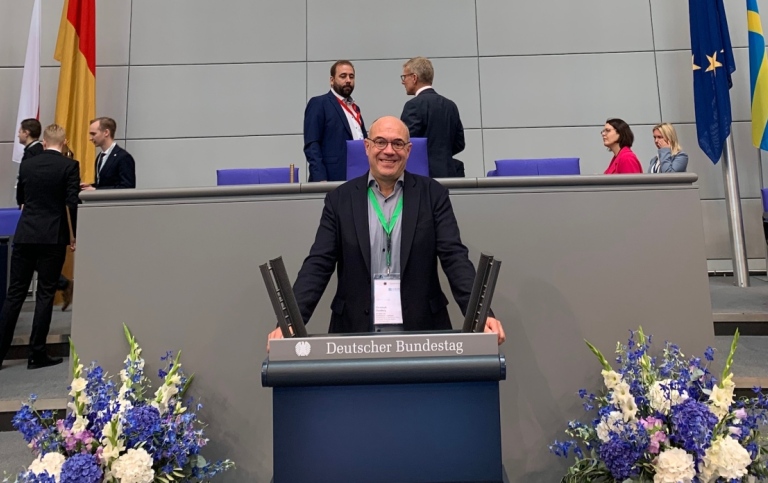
{"points": [[618, 138]]}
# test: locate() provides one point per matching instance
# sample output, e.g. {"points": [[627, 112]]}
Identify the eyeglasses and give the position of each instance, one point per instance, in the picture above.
{"points": [[402, 77], [381, 143], [606, 131]]}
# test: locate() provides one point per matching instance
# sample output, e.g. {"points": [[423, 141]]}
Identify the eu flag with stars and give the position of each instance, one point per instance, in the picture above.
{"points": [[712, 68]]}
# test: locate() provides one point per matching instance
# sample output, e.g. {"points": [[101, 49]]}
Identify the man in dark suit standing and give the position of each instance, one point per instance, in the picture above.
{"points": [[329, 121], [387, 225], [115, 168], [432, 116], [29, 136], [48, 187]]}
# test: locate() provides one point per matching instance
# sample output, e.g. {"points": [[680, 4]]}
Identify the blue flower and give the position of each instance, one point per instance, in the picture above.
{"points": [[81, 468], [709, 354], [142, 423], [30, 477], [692, 424], [621, 453]]}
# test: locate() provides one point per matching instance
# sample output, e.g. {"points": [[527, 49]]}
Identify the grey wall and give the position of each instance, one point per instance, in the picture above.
{"points": [[187, 278], [197, 85]]}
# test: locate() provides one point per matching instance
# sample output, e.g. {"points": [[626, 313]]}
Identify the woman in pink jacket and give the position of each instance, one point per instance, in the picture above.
{"points": [[618, 138]]}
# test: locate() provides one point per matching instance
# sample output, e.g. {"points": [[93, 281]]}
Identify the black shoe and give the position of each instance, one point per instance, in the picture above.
{"points": [[43, 361]]}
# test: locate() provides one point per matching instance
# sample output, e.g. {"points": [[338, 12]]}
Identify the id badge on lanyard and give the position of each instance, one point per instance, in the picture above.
{"points": [[387, 309]]}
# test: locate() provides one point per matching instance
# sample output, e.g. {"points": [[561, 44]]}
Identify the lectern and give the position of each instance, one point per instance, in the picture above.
{"points": [[386, 408]]}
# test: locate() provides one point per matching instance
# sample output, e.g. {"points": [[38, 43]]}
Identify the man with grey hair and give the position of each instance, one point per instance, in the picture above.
{"points": [[434, 117]]}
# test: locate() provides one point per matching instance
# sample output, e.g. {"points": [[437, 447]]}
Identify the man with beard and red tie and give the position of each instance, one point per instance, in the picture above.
{"points": [[330, 121]]}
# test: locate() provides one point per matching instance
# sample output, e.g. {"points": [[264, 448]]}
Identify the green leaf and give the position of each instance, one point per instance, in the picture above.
{"points": [[599, 356]]}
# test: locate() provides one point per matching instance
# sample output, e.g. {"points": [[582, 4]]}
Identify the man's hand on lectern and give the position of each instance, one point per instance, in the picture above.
{"points": [[493, 326], [275, 334]]}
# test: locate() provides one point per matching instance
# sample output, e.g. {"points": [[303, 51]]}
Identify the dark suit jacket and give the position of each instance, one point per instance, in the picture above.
{"points": [[32, 150], [326, 131], [48, 183], [342, 243], [432, 116], [119, 171]]}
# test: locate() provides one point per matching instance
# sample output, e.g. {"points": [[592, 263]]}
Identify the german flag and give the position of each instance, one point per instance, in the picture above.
{"points": [[76, 99]]}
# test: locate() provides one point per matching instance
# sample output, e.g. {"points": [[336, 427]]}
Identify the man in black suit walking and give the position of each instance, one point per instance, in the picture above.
{"points": [[29, 136], [432, 116], [48, 188], [115, 167]]}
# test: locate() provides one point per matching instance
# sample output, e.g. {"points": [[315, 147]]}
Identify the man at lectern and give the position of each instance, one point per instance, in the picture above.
{"points": [[384, 233]]}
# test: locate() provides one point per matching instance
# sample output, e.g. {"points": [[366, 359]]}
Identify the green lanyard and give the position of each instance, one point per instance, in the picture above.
{"points": [[387, 225]]}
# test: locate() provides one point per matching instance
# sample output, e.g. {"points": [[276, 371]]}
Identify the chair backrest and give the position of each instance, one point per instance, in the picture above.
{"points": [[357, 160], [225, 177], [9, 218], [516, 167], [559, 166], [536, 167]]}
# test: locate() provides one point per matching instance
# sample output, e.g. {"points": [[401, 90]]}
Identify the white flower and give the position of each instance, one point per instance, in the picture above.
{"points": [[109, 452], [620, 393], [720, 399], [612, 422], [135, 466], [51, 463], [663, 397], [674, 466], [80, 424], [611, 378], [78, 385], [726, 458], [629, 409]]}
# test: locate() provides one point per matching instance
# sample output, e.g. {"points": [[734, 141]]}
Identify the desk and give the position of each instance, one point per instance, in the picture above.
{"points": [[584, 257]]}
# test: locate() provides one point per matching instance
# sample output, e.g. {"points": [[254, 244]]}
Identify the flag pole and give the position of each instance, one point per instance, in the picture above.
{"points": [[735, 218]]}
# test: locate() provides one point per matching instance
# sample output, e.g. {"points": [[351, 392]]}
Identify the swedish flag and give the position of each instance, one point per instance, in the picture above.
{"points": [[758, 76], [712, 68]]}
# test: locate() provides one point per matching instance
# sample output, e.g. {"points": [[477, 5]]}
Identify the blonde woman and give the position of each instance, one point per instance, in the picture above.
{"points": [[671, 158]]}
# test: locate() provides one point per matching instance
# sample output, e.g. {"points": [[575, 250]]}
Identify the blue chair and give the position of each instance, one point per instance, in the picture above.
{"points": [[764, 196], [357, 160], [9, 218], [536, 167], [225, 177]]}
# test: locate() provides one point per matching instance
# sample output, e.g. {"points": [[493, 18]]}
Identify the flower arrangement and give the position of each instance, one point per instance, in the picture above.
{"points": [[116, 432], [666, 419]]}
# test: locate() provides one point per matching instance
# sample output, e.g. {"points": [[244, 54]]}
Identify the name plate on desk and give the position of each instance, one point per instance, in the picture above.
{"points": [[383, 346]]}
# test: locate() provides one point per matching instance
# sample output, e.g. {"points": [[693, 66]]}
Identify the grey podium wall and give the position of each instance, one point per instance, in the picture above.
{"points": [[583, 257], [187, 104]]}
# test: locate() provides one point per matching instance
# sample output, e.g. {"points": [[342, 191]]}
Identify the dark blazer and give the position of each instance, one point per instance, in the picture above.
{"points": [[32, 150], [117, 172], [48, 183], [429, 232], [432, 116], [326, 132]]}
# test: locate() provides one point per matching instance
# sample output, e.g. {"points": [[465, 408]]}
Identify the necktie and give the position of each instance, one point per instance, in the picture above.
{"points": [[99, 163]]}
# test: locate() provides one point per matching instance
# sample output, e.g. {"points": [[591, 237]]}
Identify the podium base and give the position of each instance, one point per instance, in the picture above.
{"points": [[403, 433]]}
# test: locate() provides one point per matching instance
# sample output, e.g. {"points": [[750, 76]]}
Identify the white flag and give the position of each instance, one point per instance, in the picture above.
{"points": [[29, 101]]}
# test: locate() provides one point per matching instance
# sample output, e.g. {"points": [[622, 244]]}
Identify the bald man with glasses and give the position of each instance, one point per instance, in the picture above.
{"points": [[385, 231]]}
